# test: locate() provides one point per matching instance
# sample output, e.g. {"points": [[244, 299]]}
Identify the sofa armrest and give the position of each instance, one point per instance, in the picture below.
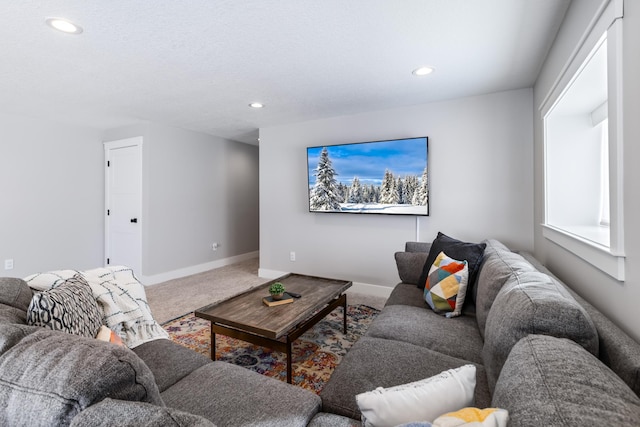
{"points": [[133, 414]]}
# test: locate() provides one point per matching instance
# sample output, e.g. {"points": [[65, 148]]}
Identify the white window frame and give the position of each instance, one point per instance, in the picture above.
{"points": [[608, 259], [605, 209]]}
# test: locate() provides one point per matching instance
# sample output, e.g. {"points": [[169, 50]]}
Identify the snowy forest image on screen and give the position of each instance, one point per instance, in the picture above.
{"points": [[382, 177]]}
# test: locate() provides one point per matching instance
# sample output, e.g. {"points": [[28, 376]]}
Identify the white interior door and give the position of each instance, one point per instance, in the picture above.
{"points": [[123, 216]]}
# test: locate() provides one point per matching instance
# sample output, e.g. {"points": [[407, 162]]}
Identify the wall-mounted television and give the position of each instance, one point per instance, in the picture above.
{"points": [[377, 177]]}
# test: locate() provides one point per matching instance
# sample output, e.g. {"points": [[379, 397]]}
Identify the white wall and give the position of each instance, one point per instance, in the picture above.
{"points": [[197, 189], [618, 300], [52, 202], [481, 170]]}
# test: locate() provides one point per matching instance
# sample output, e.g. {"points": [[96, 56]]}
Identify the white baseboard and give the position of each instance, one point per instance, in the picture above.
{"points": [[369, 289], [265, 273], [195, 269]]}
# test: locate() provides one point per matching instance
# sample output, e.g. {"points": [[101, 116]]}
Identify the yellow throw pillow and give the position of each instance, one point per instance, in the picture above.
{"points": [[473, 417]]}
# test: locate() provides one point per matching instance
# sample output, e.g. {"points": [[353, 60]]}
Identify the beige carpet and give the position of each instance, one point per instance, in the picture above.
{"points": [[176, 297]]}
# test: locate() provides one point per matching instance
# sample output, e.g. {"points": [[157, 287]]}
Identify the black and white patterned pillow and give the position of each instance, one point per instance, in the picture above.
{"points": [[69, 307]]}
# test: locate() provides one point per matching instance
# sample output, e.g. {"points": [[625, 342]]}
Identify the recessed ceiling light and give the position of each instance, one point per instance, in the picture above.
{"points": [[256, 105], [422, 71], [64, 25]]}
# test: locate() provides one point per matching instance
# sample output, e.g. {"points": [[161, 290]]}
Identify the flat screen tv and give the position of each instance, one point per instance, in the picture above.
{"points": [[377, 177]]}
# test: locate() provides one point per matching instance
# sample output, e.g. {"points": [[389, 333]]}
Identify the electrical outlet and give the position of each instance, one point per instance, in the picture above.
{"points": [[215, 246], [8, 264], [292, 256]]}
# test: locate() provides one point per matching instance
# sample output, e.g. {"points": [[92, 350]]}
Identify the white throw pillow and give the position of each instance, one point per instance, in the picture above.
{"points": [[419, 401]]}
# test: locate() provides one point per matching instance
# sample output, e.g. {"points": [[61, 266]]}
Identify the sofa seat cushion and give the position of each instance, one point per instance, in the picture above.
{"points": [[376, 362], [498, 266], [229, 395], [50, 376], [533, 303], [534, 382], [110, 412], [325, 419], [456, 337], [169, 362], [406, 294]]}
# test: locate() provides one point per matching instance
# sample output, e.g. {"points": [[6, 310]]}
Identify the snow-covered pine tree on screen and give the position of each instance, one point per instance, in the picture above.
{"points": [[421, 196], [389, 191], [324, 195], [355, 193]]}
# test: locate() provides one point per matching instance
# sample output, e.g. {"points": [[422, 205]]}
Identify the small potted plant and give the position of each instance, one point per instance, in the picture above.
{"points": [[276, 290]]}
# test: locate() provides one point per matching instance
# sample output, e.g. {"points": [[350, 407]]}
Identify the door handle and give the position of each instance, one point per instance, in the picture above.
{"points": [[134, 220]]}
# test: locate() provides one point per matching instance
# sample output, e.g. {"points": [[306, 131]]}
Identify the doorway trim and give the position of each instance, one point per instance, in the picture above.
{"points": [[108, 147]]}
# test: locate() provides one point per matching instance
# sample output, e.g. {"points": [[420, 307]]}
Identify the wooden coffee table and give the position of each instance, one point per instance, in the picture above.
{"points": [[247, 318]]}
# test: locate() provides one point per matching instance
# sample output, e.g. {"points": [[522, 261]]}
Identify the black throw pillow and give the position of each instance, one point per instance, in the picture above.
{"points": [[458, 250]]}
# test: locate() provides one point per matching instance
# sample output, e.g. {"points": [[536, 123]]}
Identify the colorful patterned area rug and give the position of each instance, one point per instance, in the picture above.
{"points": [[315, 354]]}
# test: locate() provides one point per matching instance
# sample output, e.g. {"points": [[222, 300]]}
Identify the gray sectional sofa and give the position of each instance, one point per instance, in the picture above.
{"points": [[541, 352], [53, 378]]}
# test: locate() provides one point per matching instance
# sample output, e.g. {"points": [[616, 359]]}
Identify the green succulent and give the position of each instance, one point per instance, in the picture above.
{"points": [[276, 288]]}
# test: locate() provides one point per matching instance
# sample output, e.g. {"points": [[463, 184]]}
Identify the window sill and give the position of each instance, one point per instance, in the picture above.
{"points": [[597, 254], [595, 235]]}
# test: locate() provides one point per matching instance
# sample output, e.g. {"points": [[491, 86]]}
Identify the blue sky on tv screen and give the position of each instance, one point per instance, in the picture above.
{"points": [[368, 160]]}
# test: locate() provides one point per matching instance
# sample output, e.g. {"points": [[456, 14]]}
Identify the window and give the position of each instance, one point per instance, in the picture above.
{"points": [[583, 149]]}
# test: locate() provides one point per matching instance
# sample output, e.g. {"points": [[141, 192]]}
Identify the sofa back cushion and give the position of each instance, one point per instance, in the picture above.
{"points": [[498, 266], [410, 266], [617, 349], [12, 315], [15, 296], [417, 247], [15, 293], [50, 376], [548, 381], [12, 333], [533, 303]]}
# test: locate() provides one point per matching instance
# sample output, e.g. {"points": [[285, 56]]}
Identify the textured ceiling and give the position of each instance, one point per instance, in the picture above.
{"points": [[197, 64]]}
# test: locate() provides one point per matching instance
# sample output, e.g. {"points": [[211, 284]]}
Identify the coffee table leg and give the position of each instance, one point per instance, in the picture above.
{"points": [[213, 344], [345, 313], [289, 361]]}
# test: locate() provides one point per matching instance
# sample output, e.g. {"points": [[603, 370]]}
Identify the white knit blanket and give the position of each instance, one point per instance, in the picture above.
{"points": [[121, 297]]}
